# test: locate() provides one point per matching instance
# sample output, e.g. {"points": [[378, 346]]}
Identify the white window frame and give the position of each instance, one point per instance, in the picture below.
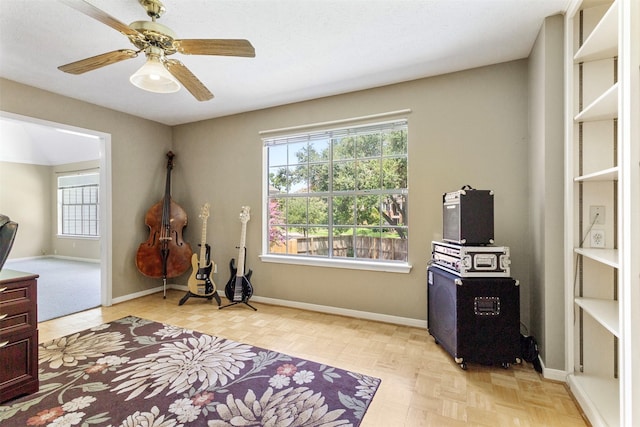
{"points": [[80, 182], [323, 261]]}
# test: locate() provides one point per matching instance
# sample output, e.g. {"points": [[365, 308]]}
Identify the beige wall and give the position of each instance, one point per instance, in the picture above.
{"points": [[25, 197], [464, 128], [546, 153], [138, 149], [28, 192]]}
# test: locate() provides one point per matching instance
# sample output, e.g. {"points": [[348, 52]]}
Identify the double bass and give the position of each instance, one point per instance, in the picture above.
{"points": [[165, 254]]}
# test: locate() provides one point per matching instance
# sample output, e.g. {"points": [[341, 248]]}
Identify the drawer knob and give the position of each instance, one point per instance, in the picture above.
{"points": [[3, 344], [3, 289], [2, 316]]}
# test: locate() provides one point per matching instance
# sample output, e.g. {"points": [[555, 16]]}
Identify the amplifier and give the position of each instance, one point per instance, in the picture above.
{"points": [[467, 216], [472, 261]]}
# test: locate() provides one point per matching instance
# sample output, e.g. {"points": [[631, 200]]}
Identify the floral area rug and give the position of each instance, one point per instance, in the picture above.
{"points": [[135, 372]]}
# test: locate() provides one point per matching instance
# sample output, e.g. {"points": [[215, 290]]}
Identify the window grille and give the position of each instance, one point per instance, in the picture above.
{"points": [[339, 193], [78, 205]]}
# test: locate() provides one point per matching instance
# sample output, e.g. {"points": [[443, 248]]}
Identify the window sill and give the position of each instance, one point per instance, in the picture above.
{"points": [[77, 237], [389, 267]]}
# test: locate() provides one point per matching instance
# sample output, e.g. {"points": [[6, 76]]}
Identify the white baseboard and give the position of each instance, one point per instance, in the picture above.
{"points": [[405, 321], [142, 293], [70, 258], [27, 258], [583, 393], [553, 374]]}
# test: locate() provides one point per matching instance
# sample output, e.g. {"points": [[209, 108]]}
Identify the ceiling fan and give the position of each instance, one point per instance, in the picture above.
{"points": [[157, 41]]}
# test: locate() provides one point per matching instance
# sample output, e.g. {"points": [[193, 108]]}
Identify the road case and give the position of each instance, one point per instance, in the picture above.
{"points": [[472, 261]]}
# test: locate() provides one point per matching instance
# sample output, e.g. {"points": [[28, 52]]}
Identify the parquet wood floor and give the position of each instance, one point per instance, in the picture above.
{"points": [[421, 384]]}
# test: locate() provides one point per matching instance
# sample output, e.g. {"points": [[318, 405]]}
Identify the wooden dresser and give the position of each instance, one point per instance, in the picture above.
{"points": [[18, 334]]}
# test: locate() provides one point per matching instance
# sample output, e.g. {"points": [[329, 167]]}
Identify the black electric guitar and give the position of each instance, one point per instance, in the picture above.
{"points": [[239, 288], [200, 282]]}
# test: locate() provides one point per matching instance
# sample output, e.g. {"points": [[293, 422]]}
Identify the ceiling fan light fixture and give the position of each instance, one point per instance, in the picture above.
{"points": [[158, 74], [154, 77]]}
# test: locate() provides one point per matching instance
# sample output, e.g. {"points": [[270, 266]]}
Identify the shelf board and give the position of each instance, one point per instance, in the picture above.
{"points": [[605, 256], [603, 41], [599, 398], [610, 174], [605, 107], [603, 311]]}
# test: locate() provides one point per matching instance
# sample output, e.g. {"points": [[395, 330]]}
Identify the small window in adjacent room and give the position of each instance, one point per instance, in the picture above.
{"points": [[78, 205], [338, 194]]}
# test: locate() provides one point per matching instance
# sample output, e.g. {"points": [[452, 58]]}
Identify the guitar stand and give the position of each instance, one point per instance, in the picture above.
{"points": [[190, 294], [246, 302]]}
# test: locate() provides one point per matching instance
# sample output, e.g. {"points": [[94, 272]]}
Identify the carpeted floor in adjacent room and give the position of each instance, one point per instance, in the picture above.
{"points": [[64, 287]]}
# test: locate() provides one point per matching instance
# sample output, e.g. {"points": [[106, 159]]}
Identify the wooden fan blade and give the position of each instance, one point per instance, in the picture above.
{"points": [[98, 61], [92, 11], [225, 47], [188, 80]]}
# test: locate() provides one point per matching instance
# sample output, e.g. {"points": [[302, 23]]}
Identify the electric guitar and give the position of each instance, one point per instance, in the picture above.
{"points": [[239, 288], [200, 282]]}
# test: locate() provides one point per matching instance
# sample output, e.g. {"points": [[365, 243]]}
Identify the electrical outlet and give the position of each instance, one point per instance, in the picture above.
{"points": [[596, 215], [597, 238]]}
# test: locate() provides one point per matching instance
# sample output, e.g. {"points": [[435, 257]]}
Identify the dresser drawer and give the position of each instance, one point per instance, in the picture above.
{"points": [[18, 308], [17, 319], [22, 292]]}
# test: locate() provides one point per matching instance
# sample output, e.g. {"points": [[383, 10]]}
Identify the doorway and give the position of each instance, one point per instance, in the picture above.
{"points": [[39, 144]]}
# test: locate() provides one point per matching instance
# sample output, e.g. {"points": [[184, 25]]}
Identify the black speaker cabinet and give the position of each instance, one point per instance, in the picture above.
{"points": [[467, 217], [474, 319]]}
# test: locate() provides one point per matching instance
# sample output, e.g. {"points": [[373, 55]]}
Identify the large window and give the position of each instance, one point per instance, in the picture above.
{"points": [[78, 202], [339, 194]]}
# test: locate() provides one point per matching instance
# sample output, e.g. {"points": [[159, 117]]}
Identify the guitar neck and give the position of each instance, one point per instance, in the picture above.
{"points": [[242, 251], [203, 249]]}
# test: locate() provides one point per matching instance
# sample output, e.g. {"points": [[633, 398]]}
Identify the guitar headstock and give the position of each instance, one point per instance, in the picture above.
{"points": [[244, 214], [204, 211]]}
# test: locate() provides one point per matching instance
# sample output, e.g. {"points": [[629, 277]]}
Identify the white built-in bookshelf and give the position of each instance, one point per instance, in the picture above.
{"points": [[602, 175]]}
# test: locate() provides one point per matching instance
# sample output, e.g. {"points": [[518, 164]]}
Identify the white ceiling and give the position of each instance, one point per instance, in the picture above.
{"points": [[305, 49], [39, 143]]}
